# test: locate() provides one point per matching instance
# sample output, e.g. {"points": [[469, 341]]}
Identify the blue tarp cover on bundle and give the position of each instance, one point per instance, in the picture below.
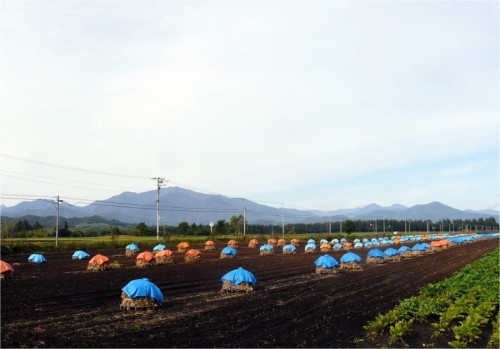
{"points": [[326, 262], [368, 244], [289, 247], [391, 252], [37, 258], [337, 246], [310, 246], [266, 247], [418, 247], [323, 241], [358, 245], [376, 253], [159, 247], [132, 247], [239, 275], [403, 249], [229, 251], [143, 288], [80, 255], [350, 257], [311, 241]]}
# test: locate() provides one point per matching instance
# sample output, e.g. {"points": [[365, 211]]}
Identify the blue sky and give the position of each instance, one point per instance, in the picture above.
{"points": [[312, 104]]}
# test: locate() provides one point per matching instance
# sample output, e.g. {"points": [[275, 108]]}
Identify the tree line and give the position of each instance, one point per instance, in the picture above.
{"points": [[23, 229]]}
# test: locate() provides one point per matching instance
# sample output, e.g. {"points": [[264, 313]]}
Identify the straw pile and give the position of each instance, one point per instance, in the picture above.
{"points": [[191, 259], [96, 267], [209, 247], [267, 253], [374, 260], [131, 253], [164, 260], [321, 270], [227, 286], [140, 263], [224, 256], [6, 275], [350, 266], [396, 258], [138, 303], [310, 250], [288, 252], [417, 253], [407, 254]]}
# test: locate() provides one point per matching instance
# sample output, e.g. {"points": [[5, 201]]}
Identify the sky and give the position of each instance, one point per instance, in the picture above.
{"points": [[303, 104]]}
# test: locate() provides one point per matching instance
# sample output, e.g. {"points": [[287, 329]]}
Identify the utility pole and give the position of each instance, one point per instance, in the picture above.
{"points": [[159, 184], [57, 219], [282, 220], [330, 227], [244, 220]]}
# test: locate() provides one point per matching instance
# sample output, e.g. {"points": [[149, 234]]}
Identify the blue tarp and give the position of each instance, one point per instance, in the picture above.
{"points": [[229, 251], [266, 247], [368, 244], [418, 247], [37, 258], [326, 262], [289, 247], [358, 245], [323, 241], [403, 249], [310, 246], [159, 247], [80, 255], [337, 246], [356, 241], [143, 288], [132, 247], [391, 252], [376, 253], [311, 241], [350, 257], [237, 276], [335, 241]]}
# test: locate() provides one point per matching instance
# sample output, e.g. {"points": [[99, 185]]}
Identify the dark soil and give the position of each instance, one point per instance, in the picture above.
{"points": [[60, 304]]}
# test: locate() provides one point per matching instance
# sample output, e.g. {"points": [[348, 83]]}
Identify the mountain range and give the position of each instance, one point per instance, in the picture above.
{"points": [[179, 204]]}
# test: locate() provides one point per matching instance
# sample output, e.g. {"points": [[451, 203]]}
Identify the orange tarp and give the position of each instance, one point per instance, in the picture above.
{"points": [[281, 242], [439, 243], [182, 245], [145, 256], [5, 267], [294, 241], [232, 242], [209, 243], [193, 253], [163, 253], [325, 246], [99, 259], [272, 242], [347, 244], [254, 241]]}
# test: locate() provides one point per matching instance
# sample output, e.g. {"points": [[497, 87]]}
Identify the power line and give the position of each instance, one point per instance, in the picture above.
{"points": [[72, 168]]}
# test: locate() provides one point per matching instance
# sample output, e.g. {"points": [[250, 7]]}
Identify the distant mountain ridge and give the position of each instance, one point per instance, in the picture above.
{"points": [[179, 204]]}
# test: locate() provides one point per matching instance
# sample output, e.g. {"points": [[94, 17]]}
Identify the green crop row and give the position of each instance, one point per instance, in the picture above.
{"points": [[466, 302]]}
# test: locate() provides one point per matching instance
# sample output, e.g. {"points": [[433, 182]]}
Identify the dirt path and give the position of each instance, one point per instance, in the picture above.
{"points": [[59, 304]]}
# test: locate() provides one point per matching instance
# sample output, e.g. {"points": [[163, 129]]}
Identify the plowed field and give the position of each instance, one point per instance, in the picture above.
{"points": [[59, 304]]}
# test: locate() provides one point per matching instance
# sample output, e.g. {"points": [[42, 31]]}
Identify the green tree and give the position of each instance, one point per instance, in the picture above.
{"points": [[348, 226], [220, 227], [236, 224], [183, 228], [141, 229], [115, 231]]}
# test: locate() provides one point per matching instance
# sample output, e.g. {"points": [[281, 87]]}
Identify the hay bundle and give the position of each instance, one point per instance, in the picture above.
{"points": [[417, 253], [97, 267], [138, 303], [228, 256], [309, 250], [140, 263], [227, 286], [321, 270], [374, 260], [395, 258], [350, 266], [267, 252], [288, 252], [407, 254], [182, 247], [208, 247], [131, 253], [164, 260], [192, 259]]}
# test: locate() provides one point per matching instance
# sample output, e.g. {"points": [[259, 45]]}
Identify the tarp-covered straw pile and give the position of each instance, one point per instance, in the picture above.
{"points": [[253, 243], [209, 245], [326, 264], [182, 247], [131, 250], [238, 280], [98, 263], [350, 261], [141, 294], [375, 256], [266, 250], [228, 252], [164, 257], [144, 259], [6, 270], [192, 256]]}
